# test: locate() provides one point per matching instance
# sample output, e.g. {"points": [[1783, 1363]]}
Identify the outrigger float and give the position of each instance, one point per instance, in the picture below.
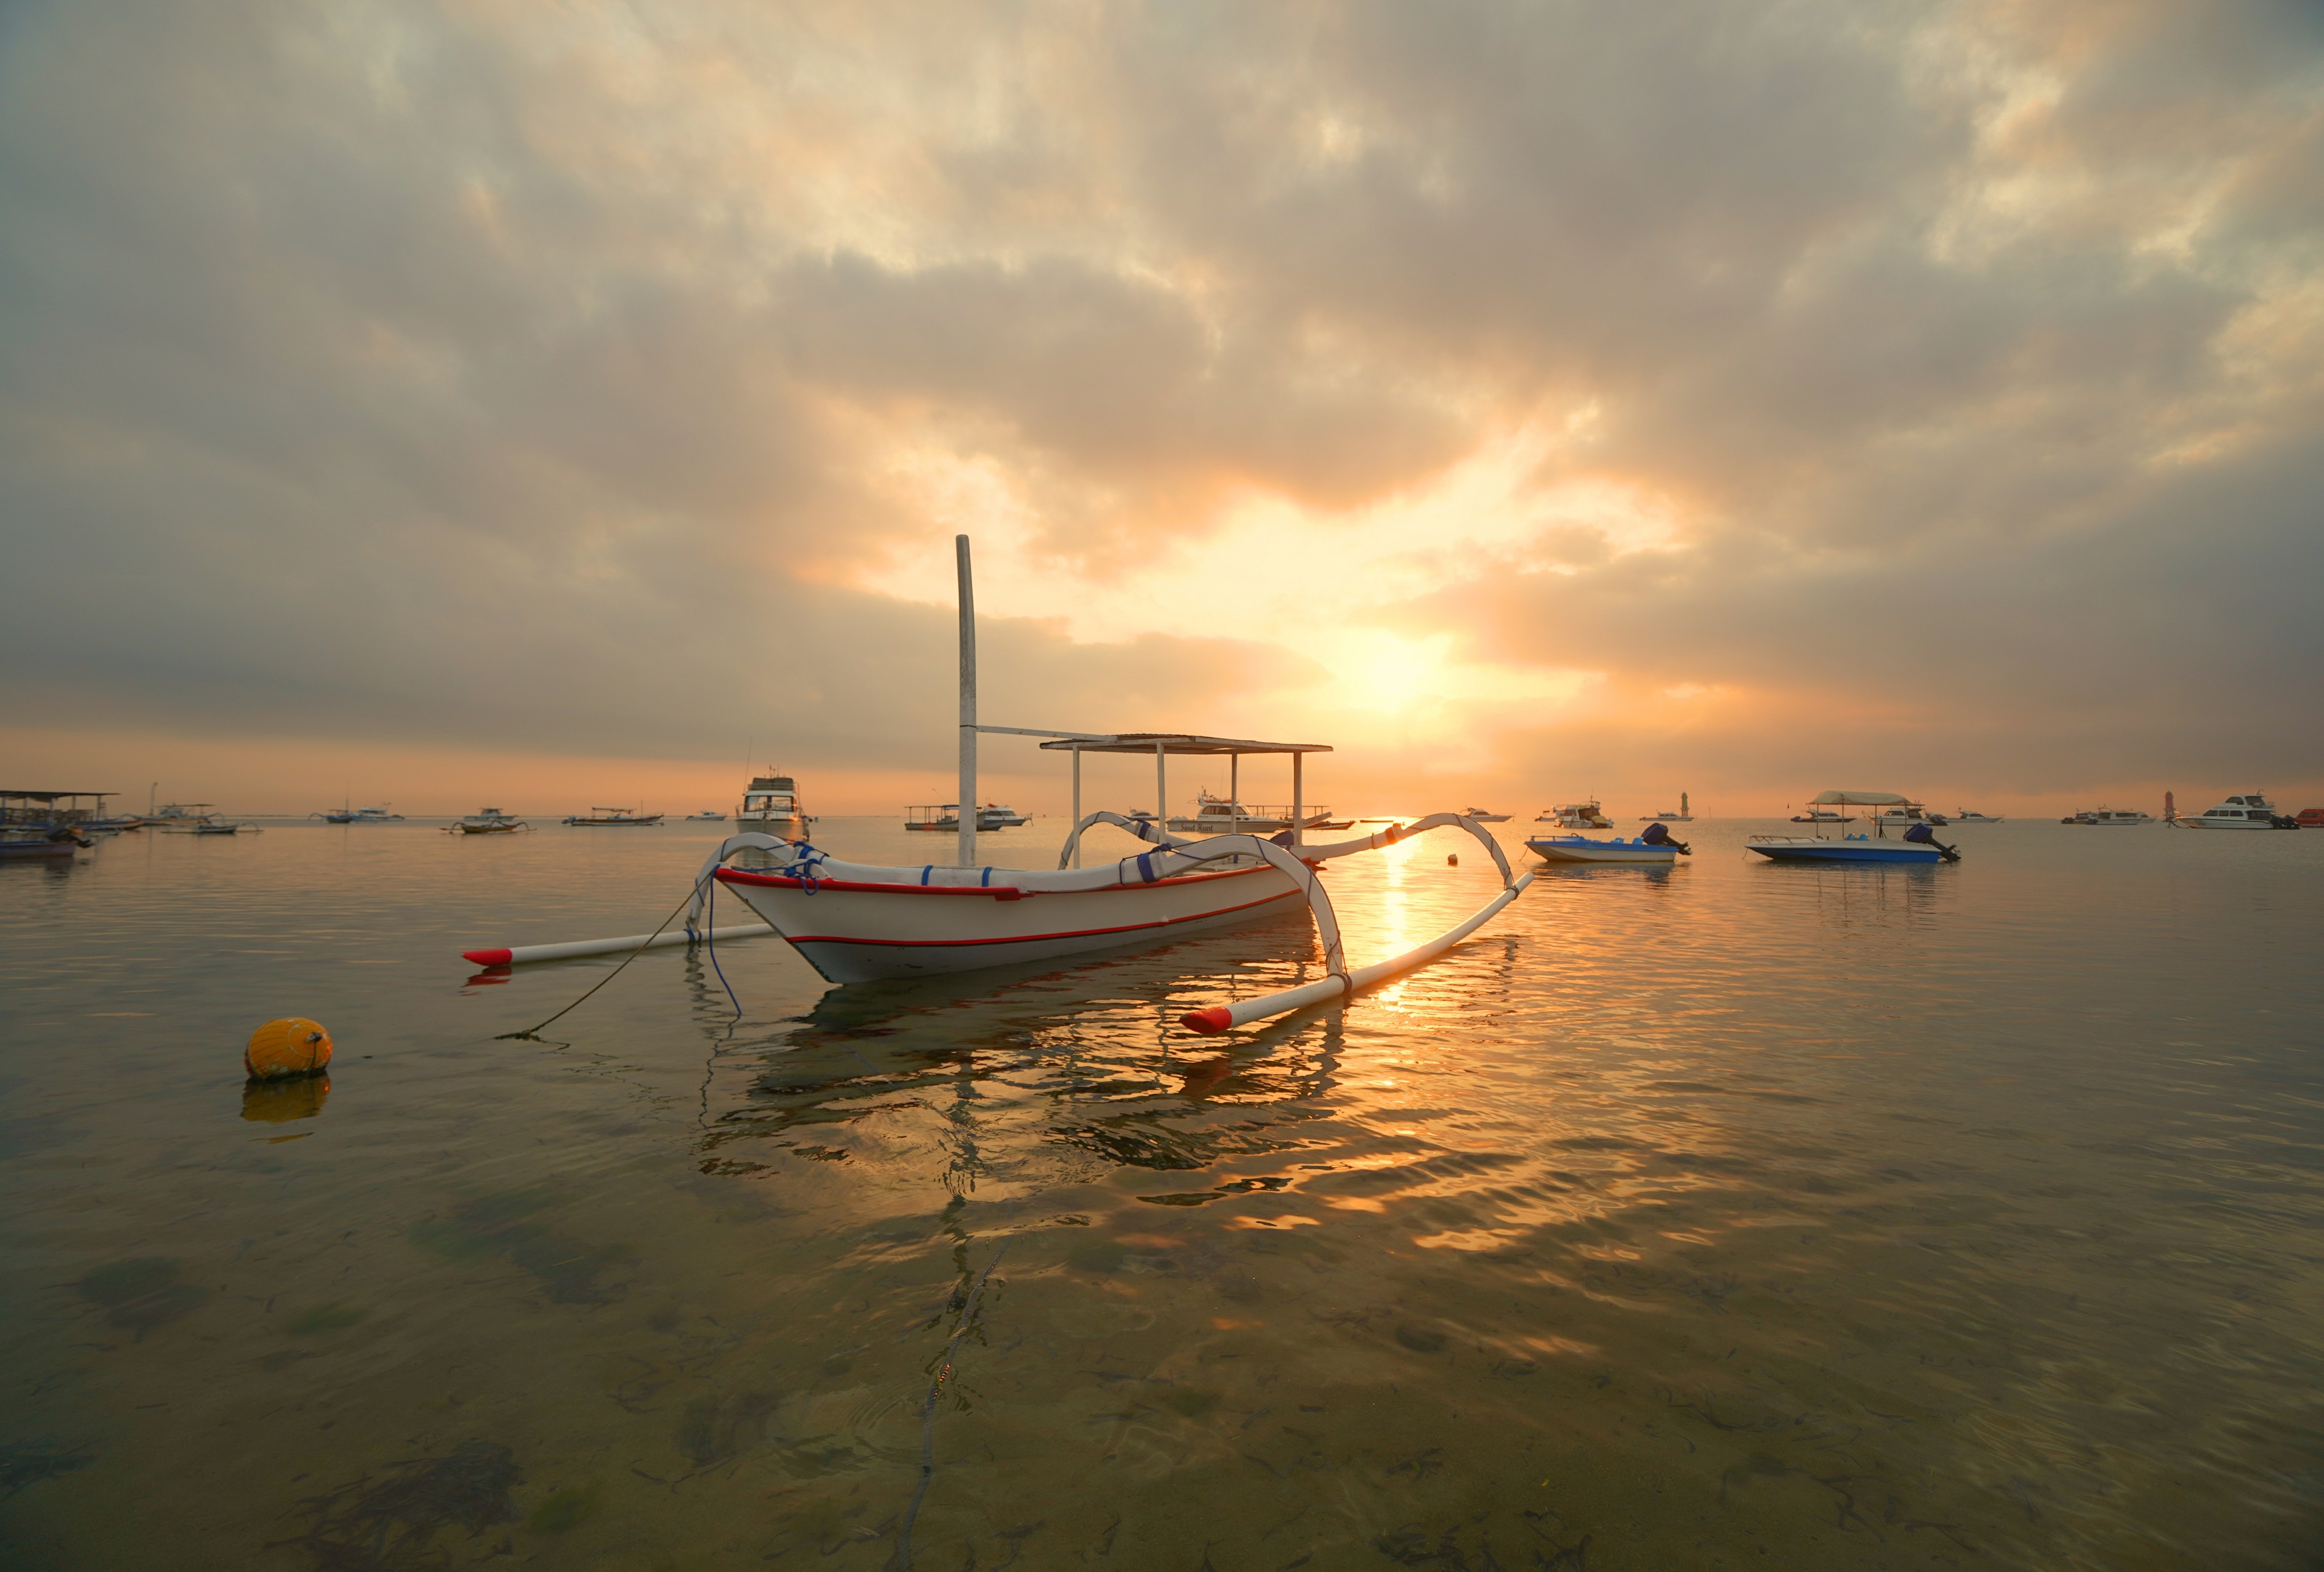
{"points": [[859, 921]]}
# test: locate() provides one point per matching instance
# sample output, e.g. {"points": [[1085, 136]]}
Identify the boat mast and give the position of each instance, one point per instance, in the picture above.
{"points": [[967, 808]]}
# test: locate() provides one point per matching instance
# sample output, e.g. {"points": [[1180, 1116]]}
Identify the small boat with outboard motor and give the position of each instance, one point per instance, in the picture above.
{"points": [[487, 822], [857, 922], [613, 819], [1916, 843], [1651, 845], [46, 826], [2248, 811]]}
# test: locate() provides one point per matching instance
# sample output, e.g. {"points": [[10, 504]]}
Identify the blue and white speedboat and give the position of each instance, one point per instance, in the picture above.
{"points": [[1915, 845], [1582, 849]]}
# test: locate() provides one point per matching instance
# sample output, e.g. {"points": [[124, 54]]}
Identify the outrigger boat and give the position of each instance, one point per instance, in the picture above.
{"points": [[856, 921], [487, 822], [42, 826], [612, 818]]}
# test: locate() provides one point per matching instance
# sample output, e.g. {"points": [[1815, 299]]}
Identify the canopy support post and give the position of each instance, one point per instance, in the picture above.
{"points": [[1077, 803], [968, 786], [1161, 789], [1299, 802], [1235, 794]]}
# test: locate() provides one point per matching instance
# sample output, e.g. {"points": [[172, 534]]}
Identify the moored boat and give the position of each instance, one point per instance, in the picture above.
{"points": [[708, 816], [2309, 818], [487, 822], [1685, 814], [1483, 817], [1584, 815], [2248, 811], [771, 807], [612, 819], [2108, 816], [1917, 843], [1217, 815], [945, 818], [1581, 849], [180, 818], [1965, 816]]}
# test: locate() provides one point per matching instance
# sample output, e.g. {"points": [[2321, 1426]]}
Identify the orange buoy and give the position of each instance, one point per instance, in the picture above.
{"points": [[294, 1045]]}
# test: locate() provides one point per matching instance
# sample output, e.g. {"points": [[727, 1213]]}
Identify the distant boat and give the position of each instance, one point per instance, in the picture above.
{"points": [[1484, 816], [1586, 815], [708, 816], [487, 822], [613, 818], [180, 818], [226, 827], [2108, 816], [1964, 817], [356, 816], [2251, 810], [946, 816], [1217, 815], [771, 807], [1581, 849], [1684, 815], [1916, 844], [1821, 816], [2309, 818]]}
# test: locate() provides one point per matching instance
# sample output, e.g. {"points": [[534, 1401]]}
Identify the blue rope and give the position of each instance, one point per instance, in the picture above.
{"points": [[710, 942]]}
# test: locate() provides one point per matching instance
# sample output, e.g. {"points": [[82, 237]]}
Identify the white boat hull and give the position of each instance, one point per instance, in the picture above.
{"points": [[859, 932], [1581, 850]]}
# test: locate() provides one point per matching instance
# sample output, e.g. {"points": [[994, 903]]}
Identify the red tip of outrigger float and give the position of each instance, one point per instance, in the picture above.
{"points": [[1209, 1023], [488, 956]]}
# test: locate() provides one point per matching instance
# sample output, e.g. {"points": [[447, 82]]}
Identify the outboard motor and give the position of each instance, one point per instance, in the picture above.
{"points": [[1921, 835], [1658, 835]]}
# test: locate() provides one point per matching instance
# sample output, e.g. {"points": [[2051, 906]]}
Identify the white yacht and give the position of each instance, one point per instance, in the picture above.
{"points": [[1968, 816], [2251, 810], [770, 806], [1584, 815]]}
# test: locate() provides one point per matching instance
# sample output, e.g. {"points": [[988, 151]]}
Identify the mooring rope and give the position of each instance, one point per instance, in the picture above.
{"points": [[902, 1562], [532, 1033]]}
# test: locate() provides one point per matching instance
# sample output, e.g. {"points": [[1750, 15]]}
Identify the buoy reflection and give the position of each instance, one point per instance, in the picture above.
{"points": [[275, 1102]]}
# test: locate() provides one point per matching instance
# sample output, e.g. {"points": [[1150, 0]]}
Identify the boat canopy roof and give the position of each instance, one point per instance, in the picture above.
{"points": [[1860, 799], [1162, 742], [53, 796]]}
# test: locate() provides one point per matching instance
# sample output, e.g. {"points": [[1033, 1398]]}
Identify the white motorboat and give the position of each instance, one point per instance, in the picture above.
{"points": [[1965, 816], [1683, 816], [355, 816], [1484, 817], [1217, 815], [771, 806], [2250, 810], [708, 816], [2109, 816], [1581, 849], [1587, 816]]}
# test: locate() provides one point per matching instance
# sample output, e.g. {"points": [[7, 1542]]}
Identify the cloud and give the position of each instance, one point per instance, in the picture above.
{"points": [[567, 377]]}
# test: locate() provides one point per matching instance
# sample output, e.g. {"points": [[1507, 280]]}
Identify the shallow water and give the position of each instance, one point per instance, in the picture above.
{"points": [[1731, 1215]]}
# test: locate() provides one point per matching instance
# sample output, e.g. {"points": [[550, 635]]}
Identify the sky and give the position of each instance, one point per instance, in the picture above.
{"points": [[552, 405]]}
